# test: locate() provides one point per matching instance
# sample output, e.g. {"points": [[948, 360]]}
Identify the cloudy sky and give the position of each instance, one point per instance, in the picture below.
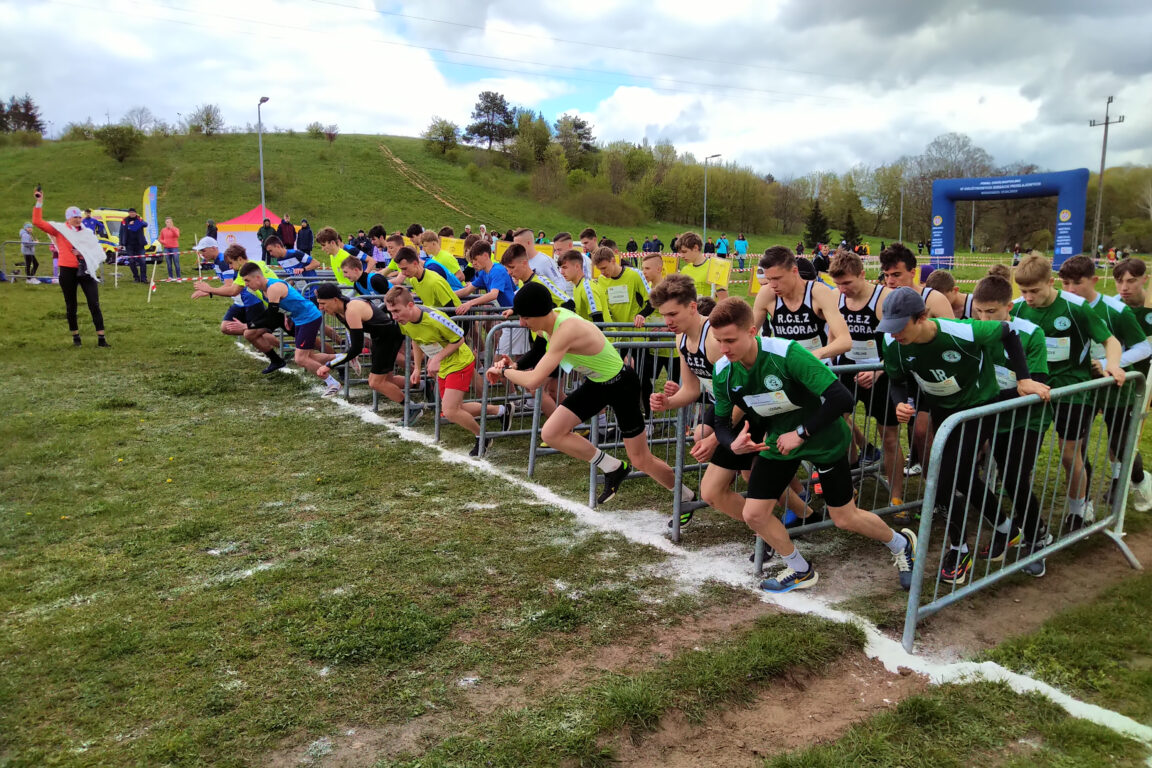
{"points": [[786, 86]]}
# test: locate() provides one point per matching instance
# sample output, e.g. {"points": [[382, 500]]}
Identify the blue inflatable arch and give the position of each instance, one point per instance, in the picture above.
{"points": [[1069, 187]]}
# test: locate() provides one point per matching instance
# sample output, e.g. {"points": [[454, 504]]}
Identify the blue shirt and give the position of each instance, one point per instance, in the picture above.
{"points": [[298, 308], [741, 246], [95, 225], [496, 279], [435, 266], [722, 246]]}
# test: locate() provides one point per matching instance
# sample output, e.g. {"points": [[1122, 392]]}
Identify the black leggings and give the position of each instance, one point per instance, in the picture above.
{"points": [[30, 265], [69, 279]]}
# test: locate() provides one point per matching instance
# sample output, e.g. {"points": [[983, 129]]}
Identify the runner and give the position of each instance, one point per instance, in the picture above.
{"points": [[804, 311], [247, 307], [430, 243], [332, 244], [953, 362], [541, 264], [306, 320], [577, 345], [428, 286], [654, 361], [449, 360], [588, 295], [1069, 326], [861, 305], [625, 287], [690, 248], [801, 403], [362, 316], [1078, 274], [941, 280], [79, 253], [293, 262], [363, 282]]}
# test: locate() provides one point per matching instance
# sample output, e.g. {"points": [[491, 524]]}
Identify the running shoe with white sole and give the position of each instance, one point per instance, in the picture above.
{"points": [[999, 544], [332, 391], [906, 559], [1141, 494], [956, 567], [788, 580], [612, 481]]}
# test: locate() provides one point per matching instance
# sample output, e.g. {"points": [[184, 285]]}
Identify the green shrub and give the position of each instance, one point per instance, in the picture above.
{"points": [[604, 207], [119, 141], [315, 130], [84, 131], [28, 138]]}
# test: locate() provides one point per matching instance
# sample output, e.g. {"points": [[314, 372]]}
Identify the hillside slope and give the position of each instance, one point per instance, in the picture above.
{"points": [[355, 182]]}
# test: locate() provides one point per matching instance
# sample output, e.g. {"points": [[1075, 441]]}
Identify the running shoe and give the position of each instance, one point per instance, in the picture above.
{"points": [[685, 520], [356, 367], [906, 517], [332, 390], [999, 544], [956, 566], [1040, 567], [791, 519], [612, 481], [506, 419], [912, 469], [769, 553], [873, 455], [102, 342], [476, 448], [1141, 493], [32, 281], [273, 367], [76, 341], [905, 560], [788, 580]]}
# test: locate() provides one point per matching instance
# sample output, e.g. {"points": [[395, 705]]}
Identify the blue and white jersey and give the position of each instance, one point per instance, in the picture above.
{"points": [[435, 266], [296, 306], [294, 259]]}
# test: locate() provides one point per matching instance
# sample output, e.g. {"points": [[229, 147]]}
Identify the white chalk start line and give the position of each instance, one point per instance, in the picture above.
{"points": [[696, 568]]}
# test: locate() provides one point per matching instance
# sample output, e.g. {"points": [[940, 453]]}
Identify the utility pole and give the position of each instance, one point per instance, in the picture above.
{"points": [[1100, 180]]}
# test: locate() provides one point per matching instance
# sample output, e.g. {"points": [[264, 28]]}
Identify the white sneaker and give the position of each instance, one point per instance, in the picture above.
{"points": [[32, 281], [355, 363], [1141, 493], [332, 391], [912, 469], [1089, 512]]}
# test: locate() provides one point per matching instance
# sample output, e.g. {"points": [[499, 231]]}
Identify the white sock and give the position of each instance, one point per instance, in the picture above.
{"points": [[686, 494], [1116, 467], [897, 543], [331, 381], [796, 561], [1005, 527], [606, 463], [501, 410], [962, 549], [1076, 507]]}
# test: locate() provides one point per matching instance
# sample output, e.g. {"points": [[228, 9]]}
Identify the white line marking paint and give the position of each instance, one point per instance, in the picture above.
{"points": [[695, 568]]}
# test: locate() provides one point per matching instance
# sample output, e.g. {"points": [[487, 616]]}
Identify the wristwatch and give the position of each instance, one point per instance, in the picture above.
{"points": [[801, 432]]}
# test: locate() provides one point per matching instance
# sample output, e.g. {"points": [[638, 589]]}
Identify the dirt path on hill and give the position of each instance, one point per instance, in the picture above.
{"points": [[422, 183]]}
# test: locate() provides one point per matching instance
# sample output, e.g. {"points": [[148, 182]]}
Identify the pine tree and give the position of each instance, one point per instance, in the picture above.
{"points": [[851, 233], [32, 120], [816, 226]]}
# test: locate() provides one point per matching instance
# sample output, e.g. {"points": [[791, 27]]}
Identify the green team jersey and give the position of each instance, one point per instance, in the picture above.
{"points": [[1122, 323], [433, 290], [782, 387], [446, 260], [1036, 350], [434, 331], [1143, 317], [590, 298], [699, 275], [559, 295], [1069, 327], [954, 370]]}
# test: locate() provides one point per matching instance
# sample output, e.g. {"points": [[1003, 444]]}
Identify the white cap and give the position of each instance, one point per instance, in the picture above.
{"points": [[73, 212], [206, 242]]}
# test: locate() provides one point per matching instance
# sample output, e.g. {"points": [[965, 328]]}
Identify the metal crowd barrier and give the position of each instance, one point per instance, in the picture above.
{"points": [[1048, 474]]}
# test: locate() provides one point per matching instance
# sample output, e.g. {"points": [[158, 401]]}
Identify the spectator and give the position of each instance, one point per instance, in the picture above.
{"points": [[467, 231], [709, 247], [210, 230], [446, 232], [800, 247], [170, 242], [741, 247], [647, 247], [508, 236], [722, 245], [362, 242], [541, 238], [266, 231], [631, 246], [920, 247], [94, 224], [286, 232], [882, 246], [657, 245], [675, 245], [134, 240], [304, 239], [28, 249]]}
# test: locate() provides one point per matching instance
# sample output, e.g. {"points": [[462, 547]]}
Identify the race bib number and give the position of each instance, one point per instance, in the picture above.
{"points": [[938, 388], [706, 387], [1059, 348], [1005, 377], [863, 350], [618, 294], [770, 403], [431, 349], [812, 344], [578, 369], [1097, 351]]}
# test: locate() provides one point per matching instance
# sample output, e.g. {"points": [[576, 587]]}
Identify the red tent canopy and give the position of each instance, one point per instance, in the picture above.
{"points": [[252, 219]]}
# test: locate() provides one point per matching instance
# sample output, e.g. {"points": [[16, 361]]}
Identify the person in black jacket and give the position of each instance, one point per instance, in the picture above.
{"points": [[210, 231], [304, 239], [134, 239]]}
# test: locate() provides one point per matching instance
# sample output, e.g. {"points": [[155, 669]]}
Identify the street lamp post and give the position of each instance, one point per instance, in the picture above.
{"points": [[901, 235], [706, 159], [260, 143]]}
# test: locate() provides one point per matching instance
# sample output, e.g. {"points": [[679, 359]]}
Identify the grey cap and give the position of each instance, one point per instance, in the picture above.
{"points": [[902, 305]]}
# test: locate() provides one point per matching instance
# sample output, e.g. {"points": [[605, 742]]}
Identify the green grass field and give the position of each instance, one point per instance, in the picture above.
{"points": [[203, 566]]}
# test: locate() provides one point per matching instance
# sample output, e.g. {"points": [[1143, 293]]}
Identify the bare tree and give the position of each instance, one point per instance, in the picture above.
{"points": [[140, 118]]}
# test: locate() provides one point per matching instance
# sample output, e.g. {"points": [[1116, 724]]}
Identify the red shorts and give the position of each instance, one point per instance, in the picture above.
{"points": [[461, 380]]}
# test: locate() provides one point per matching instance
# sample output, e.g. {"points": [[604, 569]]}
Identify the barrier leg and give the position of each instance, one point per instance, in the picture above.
{"points": [[594, 438], [534, 437], [678, 474]]}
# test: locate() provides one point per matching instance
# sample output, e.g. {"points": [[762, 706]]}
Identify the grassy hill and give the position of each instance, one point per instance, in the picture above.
{"points": [[355, 182]]}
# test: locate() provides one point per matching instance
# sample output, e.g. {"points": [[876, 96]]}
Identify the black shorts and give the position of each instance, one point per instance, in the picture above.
{"points": [[305, 335], [1073, 420], [621, 392], [771, 477], [723, 456], [385, 346], [238, 312], [877, 402]]}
